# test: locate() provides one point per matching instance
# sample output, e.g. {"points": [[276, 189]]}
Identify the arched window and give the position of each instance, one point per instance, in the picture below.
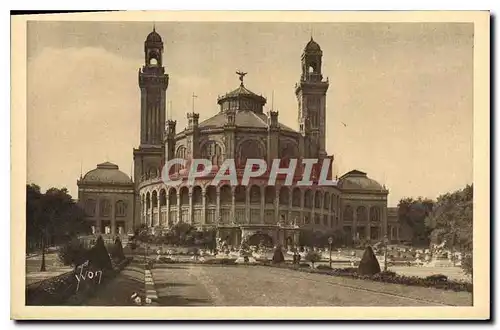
{"points": [[90, 205], [348, 214], [284, 196], [105, 208], [211, 195], [121, 209], [212, 151], [255, 195], [374, 214], [326, 201], [296, 197], [361, 214], [317, 200], [180, 153], [270, 195], [288, 151], [308, 199], [249, 149]]}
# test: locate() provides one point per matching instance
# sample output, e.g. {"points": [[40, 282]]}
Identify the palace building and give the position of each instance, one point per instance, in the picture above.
{"points": [[244, 127]]}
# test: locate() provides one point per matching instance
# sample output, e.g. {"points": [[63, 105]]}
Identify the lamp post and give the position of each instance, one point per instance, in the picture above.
{"points": [[330, 241], [385, 252]]}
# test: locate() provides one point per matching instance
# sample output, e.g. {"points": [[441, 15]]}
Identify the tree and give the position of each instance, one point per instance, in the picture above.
{"points": [[369, 264], [413, 213], [451, 220], [52, 217], [313, 257]]}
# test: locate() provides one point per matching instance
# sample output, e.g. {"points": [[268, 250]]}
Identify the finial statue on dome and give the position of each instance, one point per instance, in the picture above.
{"points": [[242, 75]]}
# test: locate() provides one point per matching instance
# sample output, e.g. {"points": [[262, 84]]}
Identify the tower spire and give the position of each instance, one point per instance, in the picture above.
{"points": [[193, 97], [154, 27], [272, 100]]}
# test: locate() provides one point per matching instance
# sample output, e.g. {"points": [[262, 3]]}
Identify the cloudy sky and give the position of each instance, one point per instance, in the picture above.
{"points": [[404, 91]]}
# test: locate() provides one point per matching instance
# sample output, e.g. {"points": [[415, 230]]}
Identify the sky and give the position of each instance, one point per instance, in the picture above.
{"points": [[403, 91]]}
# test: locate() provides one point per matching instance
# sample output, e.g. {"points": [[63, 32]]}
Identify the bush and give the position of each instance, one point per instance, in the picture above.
{"points": [[438, 278], [312, 257], [117, 250], [304, 265], [278, 256], [324, 267], [98, 255], [369, 264], [467, 264], [225, 261], [73, 253]]}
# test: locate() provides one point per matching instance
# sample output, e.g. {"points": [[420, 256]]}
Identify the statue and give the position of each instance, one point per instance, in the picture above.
{"points": [[242, 75]]}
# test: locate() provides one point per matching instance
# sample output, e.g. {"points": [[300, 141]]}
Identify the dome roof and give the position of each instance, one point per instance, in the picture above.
{"points": [[106, 173], [312, 46], [357, 180], [242, 99], [153, 37]]}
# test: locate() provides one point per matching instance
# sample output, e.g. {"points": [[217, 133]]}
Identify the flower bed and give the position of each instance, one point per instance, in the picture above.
{"points": [[438, 281], [65, 289]]}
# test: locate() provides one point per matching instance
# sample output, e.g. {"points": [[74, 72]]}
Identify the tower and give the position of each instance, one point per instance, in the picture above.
{"points": [[311, 97], [153, 83]]}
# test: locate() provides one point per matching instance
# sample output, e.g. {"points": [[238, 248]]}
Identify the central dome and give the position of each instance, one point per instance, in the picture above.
{"points": [[242, 99], [153, 37]]}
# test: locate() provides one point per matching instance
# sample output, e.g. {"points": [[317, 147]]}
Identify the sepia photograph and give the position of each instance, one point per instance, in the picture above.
{"points": [[214, 160]]}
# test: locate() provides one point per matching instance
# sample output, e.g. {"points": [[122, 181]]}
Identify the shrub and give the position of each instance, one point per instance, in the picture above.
{"points": [[312, 257], [467, 264], [369, 263], [225, 261], [278, 256], [73, 253], [438, 278], [304, 265], [117, 250], [324, 267], [98, 255]]}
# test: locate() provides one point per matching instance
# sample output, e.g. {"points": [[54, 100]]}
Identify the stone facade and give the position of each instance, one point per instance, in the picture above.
{"points": [[242, 130]]}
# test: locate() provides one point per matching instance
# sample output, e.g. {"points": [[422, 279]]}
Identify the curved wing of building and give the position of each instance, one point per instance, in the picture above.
{"points": [[242, 129]]}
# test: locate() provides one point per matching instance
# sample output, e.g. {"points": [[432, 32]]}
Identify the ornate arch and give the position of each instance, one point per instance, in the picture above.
{"points": [[180, 152], [250, 148], [213, 151]]}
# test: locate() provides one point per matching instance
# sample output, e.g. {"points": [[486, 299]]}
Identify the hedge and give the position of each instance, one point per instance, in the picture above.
{"points": [[438, 281], [62, 290]]}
